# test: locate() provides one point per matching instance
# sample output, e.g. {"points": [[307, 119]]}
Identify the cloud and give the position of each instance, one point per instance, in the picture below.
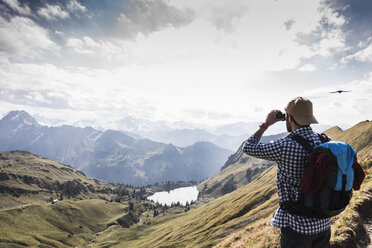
{"points": [[72, 89], [82, 46], [288, 24], [14, 5], [53, 12], [61, 10], [98, 53], [139, 56], [75, 6], [22, 38], [327, 38], [307, 67], [147, 16], [226, 16], [36, 98], [357, 17], [332, 17], [332, 42], [258, 109], [363, 55]]}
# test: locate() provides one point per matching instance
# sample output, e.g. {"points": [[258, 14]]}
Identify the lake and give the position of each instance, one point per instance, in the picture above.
{"points": [[182, 195]]}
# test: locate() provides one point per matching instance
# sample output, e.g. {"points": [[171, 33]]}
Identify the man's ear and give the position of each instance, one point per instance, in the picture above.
{"points": [[290, 119]]}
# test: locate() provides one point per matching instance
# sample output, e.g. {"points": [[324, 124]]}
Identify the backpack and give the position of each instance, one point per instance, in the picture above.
{"points": [[327, 181]]}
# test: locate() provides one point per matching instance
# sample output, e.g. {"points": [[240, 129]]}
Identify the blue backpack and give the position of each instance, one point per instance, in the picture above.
{"points": [[335, 191]]}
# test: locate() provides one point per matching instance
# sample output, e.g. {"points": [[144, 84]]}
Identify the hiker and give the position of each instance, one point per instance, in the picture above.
{"points": [[295, 231]]}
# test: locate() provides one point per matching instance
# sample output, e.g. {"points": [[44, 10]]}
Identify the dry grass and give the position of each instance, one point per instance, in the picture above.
{"points": [[358, 136]]}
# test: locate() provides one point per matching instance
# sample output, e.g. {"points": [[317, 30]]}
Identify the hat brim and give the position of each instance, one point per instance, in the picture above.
{"points": [[304, 121]]}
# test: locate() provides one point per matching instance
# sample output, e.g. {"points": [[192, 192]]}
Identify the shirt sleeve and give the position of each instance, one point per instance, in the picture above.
{"points": [[269, 151]]}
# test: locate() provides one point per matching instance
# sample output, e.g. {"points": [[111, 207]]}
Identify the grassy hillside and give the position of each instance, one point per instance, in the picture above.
{"points": [[347, 228], [239, 170], [85, 206], [358, 136], [27, 178], [65, 224], [233, 177], [204, 226]]}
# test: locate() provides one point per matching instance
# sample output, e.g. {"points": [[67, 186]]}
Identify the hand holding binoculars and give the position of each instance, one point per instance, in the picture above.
{"points": [[280, 115]]}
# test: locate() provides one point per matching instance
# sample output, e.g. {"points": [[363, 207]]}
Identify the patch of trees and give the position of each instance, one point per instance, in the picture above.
{"points": [[158, 208], [229, 186], [211, 189], [16, 192], [251, 173], [171, 185], [4, 177], [125, 193], [128, 220], [72, 188]]}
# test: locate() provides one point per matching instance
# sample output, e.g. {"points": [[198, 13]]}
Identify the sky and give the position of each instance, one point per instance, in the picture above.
{"points": [[206, 62]]}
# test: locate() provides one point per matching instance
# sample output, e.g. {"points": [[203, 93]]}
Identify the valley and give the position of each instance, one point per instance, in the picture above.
{"points": [[93, 213]]}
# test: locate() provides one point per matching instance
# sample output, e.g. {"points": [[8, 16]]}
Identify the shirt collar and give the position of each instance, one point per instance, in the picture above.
{"points": [[303, 130]]}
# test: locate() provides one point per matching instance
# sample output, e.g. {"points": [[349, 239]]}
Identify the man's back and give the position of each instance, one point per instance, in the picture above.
{"points": [[291, 158], [295, 231]]}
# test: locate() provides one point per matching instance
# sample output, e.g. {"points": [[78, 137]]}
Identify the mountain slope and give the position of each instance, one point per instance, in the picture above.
{"points": [[239, 170], [26, 178], [358, 136], [47, 204], [65, 224], [204, 226], [238, 219], [347, 227]]}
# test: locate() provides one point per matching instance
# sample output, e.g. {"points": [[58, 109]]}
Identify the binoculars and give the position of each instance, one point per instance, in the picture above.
{"points": [[280, 115]]}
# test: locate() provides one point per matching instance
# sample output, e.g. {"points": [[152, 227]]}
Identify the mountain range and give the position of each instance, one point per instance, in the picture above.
{"points": [[112, 156], [180, 133], [92, 213]]}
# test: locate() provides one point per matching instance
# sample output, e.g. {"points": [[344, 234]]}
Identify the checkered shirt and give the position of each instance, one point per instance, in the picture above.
{"points": [[291, 158]]}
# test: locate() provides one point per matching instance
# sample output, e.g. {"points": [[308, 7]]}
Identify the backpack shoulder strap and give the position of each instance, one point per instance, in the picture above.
{"points": [[302, 141], [324, 138]]}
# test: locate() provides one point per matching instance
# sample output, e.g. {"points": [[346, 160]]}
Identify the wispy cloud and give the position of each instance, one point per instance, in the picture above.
{"points": [[328, 38], [16, 6], [226, 16], [181, 59], [307, 67], [363, 55], [288, 24], [75, 6], [150, 16], [22, 38], [53, 12]]}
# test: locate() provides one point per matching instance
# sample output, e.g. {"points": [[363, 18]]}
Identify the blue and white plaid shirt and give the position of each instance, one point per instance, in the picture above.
{"points": [[291, 158]]}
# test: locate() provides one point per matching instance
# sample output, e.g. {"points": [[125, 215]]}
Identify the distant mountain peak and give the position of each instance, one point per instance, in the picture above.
{"points": [[20, 116]]}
